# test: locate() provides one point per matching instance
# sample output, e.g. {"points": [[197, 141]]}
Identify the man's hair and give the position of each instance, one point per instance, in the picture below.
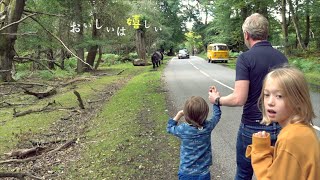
{"points": [[257, 26], [196, 111], [295, 90]]}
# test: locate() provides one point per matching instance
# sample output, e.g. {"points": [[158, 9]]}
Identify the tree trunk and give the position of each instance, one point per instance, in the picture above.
{"points": [[317, 31], [13, 10], [284, 26], [140, 45], [307, 36], [50, 57], [93, 49], [296, 24], [63, 57], [79, 50], [35, 65], [99, 58]]}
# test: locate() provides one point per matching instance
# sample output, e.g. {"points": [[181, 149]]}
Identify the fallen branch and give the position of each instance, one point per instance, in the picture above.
{"points": [[94, 101], [65, 145], [5, 104], [39, 143], [40, 95], [17, 114], [23, 153], [22, 83], [79, 99], [120, 72], [74, 80], [17, 175]]}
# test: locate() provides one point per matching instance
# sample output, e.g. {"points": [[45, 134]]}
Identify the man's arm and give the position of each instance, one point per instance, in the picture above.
{"points": [[239, 95], [237, 98]]}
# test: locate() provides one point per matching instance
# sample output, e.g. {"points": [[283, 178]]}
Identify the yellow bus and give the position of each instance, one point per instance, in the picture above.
{"points": [[217, 52]]}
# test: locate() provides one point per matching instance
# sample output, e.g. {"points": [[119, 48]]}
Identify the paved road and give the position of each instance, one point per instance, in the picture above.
{"points": [[187, 77]]}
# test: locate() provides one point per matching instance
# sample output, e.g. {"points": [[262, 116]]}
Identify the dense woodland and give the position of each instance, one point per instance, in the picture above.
{"points": [[77, 35]]}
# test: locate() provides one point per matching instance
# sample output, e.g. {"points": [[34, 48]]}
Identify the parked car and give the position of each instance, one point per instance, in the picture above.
{"points": [[183, 53], [217, 52]]}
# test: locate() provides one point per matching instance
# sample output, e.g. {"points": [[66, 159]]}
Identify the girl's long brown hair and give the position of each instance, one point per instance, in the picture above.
{"points": [[295, 88]]}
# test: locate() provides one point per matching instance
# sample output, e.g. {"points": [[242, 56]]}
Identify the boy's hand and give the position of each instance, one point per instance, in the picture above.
{"points": [[213, 94], [212, 89], [178, 115]]}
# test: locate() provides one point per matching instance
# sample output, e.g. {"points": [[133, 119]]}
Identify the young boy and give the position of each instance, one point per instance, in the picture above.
{"points": [[195, 136]]}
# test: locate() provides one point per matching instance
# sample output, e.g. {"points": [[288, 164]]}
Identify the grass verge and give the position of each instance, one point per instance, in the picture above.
{"points": [[16, 129], [128, 138]]}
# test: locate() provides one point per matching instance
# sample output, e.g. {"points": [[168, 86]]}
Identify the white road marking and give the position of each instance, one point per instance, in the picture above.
{"points": [[314, 126], [212, 78]]}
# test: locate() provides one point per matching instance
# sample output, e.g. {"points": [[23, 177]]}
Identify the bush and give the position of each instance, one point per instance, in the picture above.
{"points": [[133, 55], [71, 63], [111, 59], [234, 54], [306, 65], [45, 74], [20, 75]]}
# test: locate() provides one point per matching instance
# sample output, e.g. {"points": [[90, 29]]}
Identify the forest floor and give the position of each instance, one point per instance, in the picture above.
{"points": [[72, 145]]}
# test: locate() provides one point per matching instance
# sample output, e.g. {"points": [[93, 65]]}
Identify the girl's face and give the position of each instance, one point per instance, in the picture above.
{"points": [[275, 103]]}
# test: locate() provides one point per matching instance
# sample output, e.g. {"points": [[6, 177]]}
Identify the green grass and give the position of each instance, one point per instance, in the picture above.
{"points": [[126, 132], [311, 69], [13, 128], [126, 140]]}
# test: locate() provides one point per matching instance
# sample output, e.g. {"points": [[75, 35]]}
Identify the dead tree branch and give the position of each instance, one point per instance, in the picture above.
{"points": [[40, 95], [63, 146], [18, 175], [6, 104], [74, 80], [22, 83], [57, 15], [21, 34], [17, 22], [17, 114], [61, 43], [79, 99], [33, 60], [27, 59], [120, 72], [39, 143], [23, 153]]}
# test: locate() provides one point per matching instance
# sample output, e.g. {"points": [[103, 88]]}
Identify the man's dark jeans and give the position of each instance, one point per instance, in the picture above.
{"points": [[244, 168]]}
